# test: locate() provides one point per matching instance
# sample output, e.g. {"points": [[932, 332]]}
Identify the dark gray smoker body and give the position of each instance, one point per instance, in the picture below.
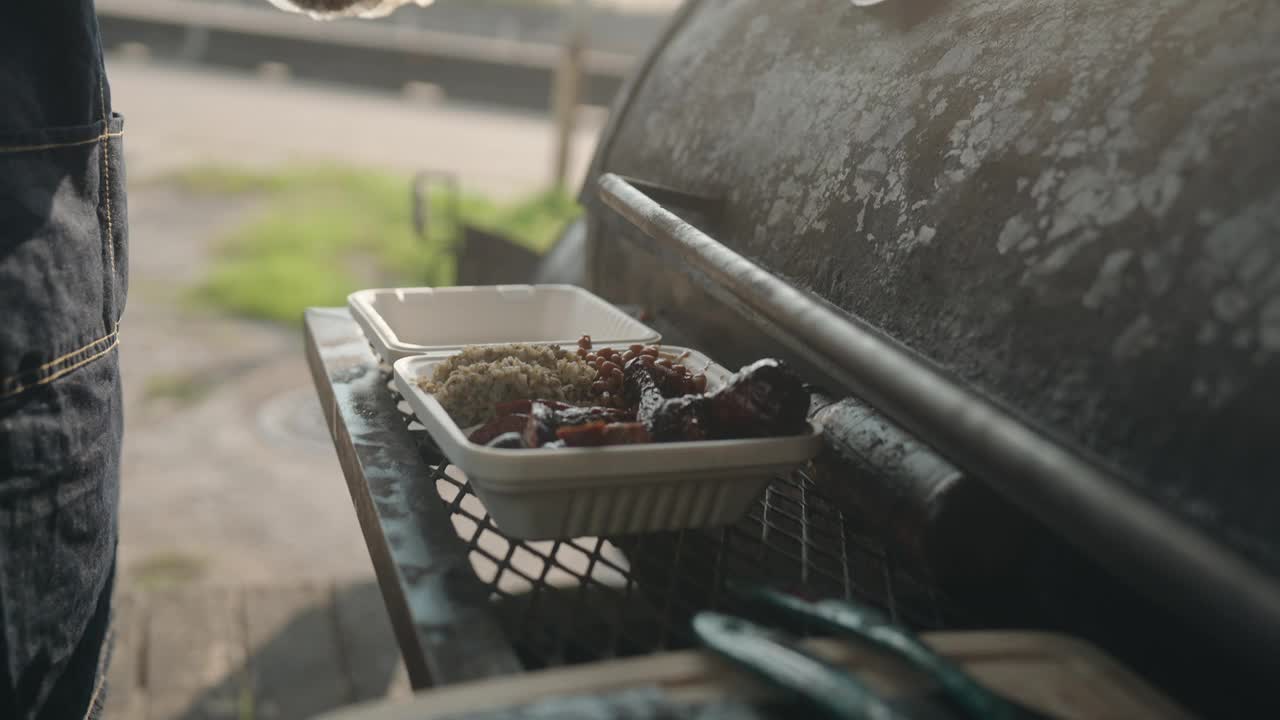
{"points": [[1072, 208]]}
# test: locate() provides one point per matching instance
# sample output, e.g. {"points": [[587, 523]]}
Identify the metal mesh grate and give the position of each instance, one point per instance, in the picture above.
{"points": [[587, 599]]}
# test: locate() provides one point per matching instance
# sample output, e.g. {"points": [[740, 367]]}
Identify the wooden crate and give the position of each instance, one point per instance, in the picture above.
{"points": [[1057, 675]]}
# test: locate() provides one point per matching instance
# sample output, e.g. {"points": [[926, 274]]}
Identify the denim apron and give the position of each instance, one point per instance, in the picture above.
{"points": [[62, 289]]}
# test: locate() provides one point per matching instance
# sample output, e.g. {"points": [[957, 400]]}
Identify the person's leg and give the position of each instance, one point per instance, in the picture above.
{"points": [[62, 289], [60, 439]]}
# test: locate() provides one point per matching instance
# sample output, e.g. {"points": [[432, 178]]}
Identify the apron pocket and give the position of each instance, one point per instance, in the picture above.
{"points": [[62, 252]]}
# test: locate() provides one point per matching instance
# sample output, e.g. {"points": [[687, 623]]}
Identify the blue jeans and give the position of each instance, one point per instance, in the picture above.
{"points": [[63, 280]]}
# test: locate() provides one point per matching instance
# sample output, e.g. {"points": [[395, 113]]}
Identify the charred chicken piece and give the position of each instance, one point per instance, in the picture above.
{"points": [[512, 422], [599, 433], [663, 405], [682, 419], [642, 390], [514, 416], [541, 426], [764, 399], [544, 421]]}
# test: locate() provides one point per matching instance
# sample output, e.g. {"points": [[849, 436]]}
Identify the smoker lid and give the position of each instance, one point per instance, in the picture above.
{"points": [[1072, 208]]}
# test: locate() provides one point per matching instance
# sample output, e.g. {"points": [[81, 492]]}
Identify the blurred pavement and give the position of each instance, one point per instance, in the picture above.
{"points": [[180, 116], [238, 482], [239, 547]]}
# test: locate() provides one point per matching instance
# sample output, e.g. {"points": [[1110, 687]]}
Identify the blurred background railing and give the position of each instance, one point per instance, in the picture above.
{"points": [[500, 51]]}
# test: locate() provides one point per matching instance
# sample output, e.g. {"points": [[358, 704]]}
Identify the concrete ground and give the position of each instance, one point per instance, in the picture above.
{"points": [[234, 480], [230, 480], [228, 477]]}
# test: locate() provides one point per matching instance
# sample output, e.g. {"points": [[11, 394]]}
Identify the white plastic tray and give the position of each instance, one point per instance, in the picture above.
{"points": [[547, 494], [403, 322]]}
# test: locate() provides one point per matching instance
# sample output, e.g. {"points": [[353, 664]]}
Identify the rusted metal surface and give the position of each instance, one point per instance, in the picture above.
{"points": [[1082, 499], [438, 608], [1070, 207], [924, 504]]}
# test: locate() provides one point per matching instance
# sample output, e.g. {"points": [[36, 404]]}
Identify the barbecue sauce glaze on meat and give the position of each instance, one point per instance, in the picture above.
{"points": [[765, 399]]}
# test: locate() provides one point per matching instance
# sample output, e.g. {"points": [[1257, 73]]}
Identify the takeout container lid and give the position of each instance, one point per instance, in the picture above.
{"points": [[548, 494], [406, 322]]}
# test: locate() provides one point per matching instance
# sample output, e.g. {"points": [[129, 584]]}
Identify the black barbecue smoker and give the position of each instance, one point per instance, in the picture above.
{"points": [[1027, 255], [1041, 240]]}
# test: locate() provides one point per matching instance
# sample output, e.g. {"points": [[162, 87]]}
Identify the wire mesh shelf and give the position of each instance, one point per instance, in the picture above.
{"points": [[587, 599]]}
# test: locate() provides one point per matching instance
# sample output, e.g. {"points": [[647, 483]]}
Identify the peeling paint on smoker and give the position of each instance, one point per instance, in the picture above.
{"points": [[1074, 206]]}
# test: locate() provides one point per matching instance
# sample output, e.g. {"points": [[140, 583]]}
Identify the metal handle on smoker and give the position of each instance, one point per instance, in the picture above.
{"points": [[1073, 494]]}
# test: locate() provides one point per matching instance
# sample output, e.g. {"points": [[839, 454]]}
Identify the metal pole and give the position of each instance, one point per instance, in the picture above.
{"points": [[568, 81]]}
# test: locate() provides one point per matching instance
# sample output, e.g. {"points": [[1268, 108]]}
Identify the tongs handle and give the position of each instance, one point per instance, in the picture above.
{"points": [[781, 662], [864, 623]]}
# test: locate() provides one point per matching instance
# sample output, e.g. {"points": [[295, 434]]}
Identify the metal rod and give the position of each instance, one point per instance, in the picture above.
{"points": [[1072, 494], [567, 88]]}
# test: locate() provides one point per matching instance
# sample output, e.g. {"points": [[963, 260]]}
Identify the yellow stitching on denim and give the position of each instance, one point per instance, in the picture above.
{"points": [[54, 146], [14, 384], [45, 381], [60, 358], [106, 176]]}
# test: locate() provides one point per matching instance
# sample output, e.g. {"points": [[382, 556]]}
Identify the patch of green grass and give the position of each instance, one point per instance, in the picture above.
{"points": [[328, 231], [182, 388], [219, 180], [245, 704]]}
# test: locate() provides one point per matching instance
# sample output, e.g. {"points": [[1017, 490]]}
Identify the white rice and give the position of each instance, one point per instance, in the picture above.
{"points": [[472, 382]]}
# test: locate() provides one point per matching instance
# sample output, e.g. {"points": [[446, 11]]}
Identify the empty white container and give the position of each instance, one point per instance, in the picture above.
{"points": [[545, 494], [402, 322]]}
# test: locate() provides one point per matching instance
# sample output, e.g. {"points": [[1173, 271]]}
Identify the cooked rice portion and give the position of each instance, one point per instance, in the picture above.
{"points": [[470, 383]]}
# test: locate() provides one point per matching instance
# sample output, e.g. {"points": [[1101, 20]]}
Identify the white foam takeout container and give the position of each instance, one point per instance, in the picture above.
{"points": [[547, 494], [402, 322]]}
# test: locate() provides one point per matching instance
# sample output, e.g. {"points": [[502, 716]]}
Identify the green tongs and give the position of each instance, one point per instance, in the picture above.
{"points": [[848, 619]]}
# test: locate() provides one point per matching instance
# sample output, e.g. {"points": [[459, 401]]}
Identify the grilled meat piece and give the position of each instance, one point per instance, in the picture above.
{"points": [[669, 417], [544, 420], [597, 434], [641, 390], [682, 419], [541, 426], [764, 399], [504, 423]]}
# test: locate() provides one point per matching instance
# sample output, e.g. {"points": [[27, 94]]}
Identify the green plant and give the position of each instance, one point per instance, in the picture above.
{"points": [[326, 231], [182, 388], [167, 570]]}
